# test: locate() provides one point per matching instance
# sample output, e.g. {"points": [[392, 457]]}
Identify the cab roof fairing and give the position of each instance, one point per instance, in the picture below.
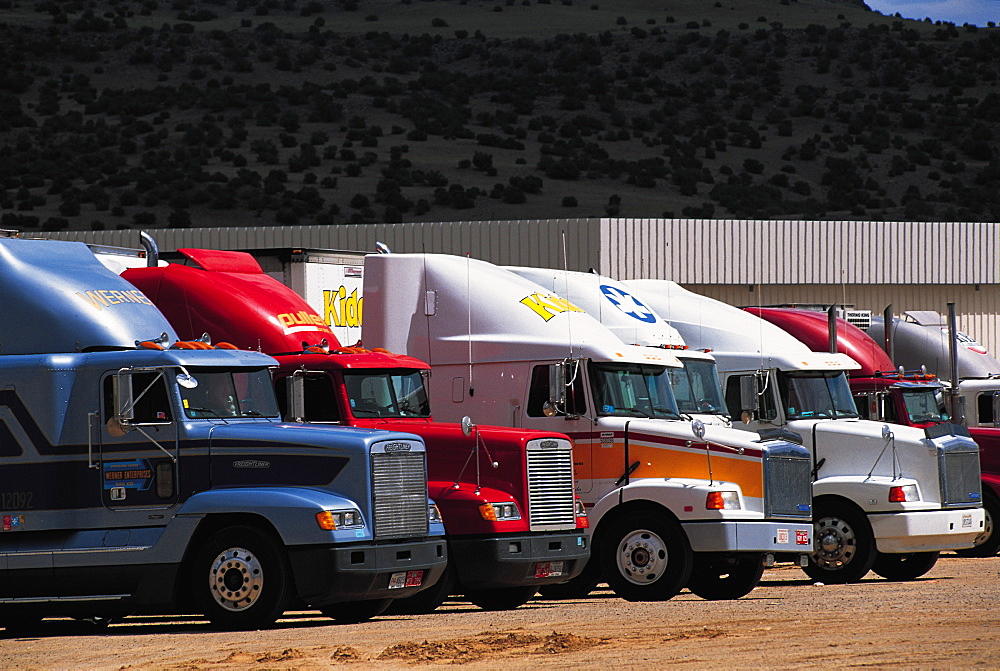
{"points": [[706, 323], [232, 300], [798, 361], [58, 297], [472, 303], [609, 302]]}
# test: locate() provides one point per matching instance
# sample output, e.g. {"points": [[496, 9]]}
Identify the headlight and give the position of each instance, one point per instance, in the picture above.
{"points": [[331, 520], [722, 501], [500, 512], [433, 514]]}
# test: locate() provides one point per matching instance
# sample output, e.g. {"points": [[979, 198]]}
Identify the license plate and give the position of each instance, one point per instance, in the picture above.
{"points": [[548, 569], [406, 579], [967, 521]]}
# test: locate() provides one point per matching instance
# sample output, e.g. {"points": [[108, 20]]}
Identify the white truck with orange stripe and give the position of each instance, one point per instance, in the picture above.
{"points": [[673, 503]]}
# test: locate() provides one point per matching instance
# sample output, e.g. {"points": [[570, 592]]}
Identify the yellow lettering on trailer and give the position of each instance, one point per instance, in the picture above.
{"points": [[548, 306], [341, 308]]}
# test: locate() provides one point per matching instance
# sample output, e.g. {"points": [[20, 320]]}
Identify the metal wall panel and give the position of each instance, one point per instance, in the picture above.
{"points": [[723, 251]]}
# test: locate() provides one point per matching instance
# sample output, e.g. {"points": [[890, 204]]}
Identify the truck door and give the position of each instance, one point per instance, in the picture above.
{"points": [[550, 408], [138, 446]]}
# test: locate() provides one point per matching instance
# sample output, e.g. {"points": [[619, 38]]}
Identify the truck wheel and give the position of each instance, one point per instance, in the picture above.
{"points": [[352, 612], [578, 587], [645, 557], [502, 598], [907, 566], [241, 579], [427, 600], [844, 545], [987, 543], [726, 577]]}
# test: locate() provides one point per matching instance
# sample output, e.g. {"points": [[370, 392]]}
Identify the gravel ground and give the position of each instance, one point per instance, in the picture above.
{"points": [[949, 618]]}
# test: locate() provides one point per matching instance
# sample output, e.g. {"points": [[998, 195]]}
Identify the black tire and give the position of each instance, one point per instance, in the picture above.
{"points": [[844, 545], [352, 612], [727, 577], [578, 587], [645, 556], [240, 579], [427, 600], [908, 566], [987, 543], [503, 598]]}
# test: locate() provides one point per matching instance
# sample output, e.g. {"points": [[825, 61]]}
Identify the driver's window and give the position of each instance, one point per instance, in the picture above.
{"points": [[149, 394]]}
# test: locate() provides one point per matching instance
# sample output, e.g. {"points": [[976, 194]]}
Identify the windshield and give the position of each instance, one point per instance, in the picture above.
{"points": [[633, 390], [925, 405], [373, 393], [697, 388], [822, 395], [226, 393]]}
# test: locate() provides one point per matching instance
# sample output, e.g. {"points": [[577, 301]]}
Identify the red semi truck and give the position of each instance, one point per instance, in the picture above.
{"points": [[507, 496], [884, 393]]}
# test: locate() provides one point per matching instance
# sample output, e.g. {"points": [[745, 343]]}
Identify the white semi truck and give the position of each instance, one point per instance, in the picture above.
{"points": [[672, 503], [885, 498]]}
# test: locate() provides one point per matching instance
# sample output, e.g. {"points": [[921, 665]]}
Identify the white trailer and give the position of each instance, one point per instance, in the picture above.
{"points": [[885, 499], [672, 503]]}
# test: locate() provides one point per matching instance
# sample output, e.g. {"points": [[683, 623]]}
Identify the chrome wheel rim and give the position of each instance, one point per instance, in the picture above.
{"points": [[836, 543], [642, 557], [236, 579]]}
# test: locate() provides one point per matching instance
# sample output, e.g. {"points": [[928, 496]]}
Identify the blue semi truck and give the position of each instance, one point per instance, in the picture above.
{"points": [[140, 474]]}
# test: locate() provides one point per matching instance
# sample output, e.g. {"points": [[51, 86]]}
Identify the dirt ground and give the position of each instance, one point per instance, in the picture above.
{"points": [[949, 618]]}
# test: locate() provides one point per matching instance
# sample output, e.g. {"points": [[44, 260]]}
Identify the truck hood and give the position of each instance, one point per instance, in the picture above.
{"points": [[289, 436]]}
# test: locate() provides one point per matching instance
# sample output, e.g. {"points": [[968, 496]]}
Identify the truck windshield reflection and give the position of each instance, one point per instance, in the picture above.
{"points": [[633, 390], [820, 395], [386, 394], [223, 394]]}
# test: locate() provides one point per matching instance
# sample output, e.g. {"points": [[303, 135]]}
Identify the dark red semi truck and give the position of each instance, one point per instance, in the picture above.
{"points": [[883, 392], [507, 496]]}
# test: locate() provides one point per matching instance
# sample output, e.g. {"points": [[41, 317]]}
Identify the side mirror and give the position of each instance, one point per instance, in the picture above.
{"points": [[557, 389], [123, 398], [296, 389], [749, 400], [467, 425]]}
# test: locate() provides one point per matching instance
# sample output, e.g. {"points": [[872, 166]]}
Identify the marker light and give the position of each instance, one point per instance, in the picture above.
{"points": [[500, 512], [331, 520], [722, 501], [903, 493], [580, 512]]}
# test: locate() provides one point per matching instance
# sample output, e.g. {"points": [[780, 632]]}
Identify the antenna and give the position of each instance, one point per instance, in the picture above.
{"points": [[468, 312], [569, 317]]}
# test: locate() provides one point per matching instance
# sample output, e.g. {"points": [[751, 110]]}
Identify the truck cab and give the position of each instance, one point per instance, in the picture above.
{"points": [[886, 498], [672, 502], [506, 495], [145, 474], [914, 398]]}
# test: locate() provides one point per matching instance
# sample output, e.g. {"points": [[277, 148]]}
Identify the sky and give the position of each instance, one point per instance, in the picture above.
{"points": [[976, 12]]}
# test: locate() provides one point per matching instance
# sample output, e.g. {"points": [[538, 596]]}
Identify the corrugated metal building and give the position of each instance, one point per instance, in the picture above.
{"points": [[913, 266]]}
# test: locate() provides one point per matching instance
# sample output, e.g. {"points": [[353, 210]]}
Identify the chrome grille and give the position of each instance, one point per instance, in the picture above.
{"points": [[787, 481], [399, 492], [958, 461], [551, 494]]}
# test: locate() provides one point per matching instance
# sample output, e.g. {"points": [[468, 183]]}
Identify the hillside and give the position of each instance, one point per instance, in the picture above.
{"points": [[149, 113]]}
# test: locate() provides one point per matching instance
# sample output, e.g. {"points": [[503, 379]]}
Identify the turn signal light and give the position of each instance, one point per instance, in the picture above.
{"points": [[500, 512], [582, 522], [722, 501]]}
